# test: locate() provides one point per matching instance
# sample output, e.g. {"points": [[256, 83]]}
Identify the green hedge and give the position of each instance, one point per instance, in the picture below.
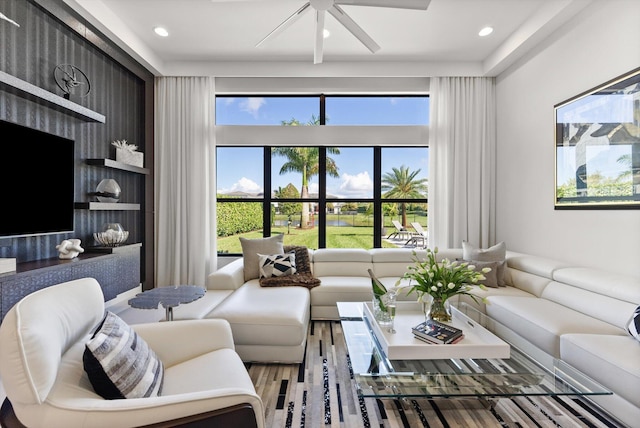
{"points": [[234, 218]]}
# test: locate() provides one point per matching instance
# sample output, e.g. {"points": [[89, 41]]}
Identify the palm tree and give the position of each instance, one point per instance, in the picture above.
{"points": [[402, 184], [305, 160], [625, 161]]}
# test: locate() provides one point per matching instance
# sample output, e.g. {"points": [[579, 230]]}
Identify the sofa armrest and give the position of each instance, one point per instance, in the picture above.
{"points": [[229, 277], [177, 341]]}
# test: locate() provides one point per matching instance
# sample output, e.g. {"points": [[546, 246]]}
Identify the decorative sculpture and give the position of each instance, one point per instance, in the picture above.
{"points": [[71, 80], [69, 248]]}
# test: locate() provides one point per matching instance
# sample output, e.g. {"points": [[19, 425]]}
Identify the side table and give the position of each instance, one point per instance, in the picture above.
{"points": [[169, 297]]}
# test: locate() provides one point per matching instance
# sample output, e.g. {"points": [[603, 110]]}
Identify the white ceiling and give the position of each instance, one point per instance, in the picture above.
{"points": [[218, 37]]}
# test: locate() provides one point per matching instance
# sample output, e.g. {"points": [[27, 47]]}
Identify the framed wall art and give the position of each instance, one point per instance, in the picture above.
{"points": [[597, 140]]}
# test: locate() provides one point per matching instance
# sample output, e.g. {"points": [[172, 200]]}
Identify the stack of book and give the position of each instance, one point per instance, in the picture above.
{"points": [[436, 332]]}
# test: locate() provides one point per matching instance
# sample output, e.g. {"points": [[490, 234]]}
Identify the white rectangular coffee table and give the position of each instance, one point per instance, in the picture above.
{"points": [[478, 342]]}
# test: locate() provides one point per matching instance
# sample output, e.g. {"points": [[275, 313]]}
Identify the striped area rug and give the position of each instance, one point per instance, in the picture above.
{"points": [[320, 392]]}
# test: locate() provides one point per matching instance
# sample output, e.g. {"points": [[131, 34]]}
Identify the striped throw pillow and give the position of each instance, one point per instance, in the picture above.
{"points": [[120, 364], [633, 327]]}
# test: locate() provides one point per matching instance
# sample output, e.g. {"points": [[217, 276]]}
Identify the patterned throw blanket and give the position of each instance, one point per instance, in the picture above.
{"points": [[303, 276]]}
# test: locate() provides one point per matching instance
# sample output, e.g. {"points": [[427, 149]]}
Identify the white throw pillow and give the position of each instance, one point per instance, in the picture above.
{"points": [[274, 265]]}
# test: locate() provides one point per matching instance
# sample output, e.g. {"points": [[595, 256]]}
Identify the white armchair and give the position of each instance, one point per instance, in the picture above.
{"points": [[43, 338]]}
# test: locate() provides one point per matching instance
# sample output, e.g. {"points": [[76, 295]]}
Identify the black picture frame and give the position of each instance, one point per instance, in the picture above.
{"points": [[597, 147]]}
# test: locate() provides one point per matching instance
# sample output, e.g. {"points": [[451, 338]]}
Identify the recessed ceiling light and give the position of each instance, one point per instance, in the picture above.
{"points": [[326, 33], [485, 31], [160, 31]]}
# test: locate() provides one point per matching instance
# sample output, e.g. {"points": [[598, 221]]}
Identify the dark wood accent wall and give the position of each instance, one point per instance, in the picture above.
{"points": [[50, 33]]}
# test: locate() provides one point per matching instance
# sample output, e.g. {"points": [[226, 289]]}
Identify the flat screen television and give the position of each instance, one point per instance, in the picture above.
{"points": [[37, 176]]}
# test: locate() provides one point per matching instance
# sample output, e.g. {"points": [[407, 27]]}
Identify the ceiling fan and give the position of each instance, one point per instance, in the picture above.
{"points": [[321, 7]]}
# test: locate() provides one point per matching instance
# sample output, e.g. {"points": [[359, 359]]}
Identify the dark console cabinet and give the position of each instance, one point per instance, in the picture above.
{"points": [[117, 271]]}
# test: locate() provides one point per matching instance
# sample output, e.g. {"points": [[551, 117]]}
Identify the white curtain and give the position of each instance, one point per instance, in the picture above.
{"points": [[184, 180], [462, 161]]}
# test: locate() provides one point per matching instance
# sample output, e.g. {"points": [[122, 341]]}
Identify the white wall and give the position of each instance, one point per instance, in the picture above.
{"points": [[602, 43]]}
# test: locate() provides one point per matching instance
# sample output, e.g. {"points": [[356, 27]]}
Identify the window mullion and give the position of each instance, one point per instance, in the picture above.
{"points": [[377, 197], [268, 194], [322, 196]]}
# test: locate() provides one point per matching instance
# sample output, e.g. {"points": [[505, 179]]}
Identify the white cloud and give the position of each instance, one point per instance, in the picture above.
{"points": [[314, 188], [359, 185], [246, 185], [252, 104], [229, 101]]}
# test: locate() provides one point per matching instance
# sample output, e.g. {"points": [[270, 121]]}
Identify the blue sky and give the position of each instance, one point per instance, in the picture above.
{"points": [[355, 164], [340, 110]]}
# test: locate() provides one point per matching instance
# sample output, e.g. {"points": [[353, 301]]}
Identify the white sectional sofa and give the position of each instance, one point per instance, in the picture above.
{"points": [[576, 314]]}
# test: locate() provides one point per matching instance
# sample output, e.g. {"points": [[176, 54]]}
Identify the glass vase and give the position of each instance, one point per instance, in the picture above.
{"points": [[440, 310], [425, 300]]}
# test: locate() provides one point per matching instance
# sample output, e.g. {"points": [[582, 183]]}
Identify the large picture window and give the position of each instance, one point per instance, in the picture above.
{"points": [[321, 196]]}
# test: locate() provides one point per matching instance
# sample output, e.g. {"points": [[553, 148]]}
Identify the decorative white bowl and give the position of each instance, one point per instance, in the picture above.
{"points": [[111, 238]]}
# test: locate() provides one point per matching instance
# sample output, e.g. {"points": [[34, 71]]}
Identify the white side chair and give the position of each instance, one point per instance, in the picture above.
{"points": [[43, 338]]}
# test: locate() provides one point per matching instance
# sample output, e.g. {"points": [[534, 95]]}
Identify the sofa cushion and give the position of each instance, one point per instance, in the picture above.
{"points": [[542, 321], [394, 262], [535, 265], [481, 295], [612, 284], [608, 359], [120, 364], [496, 253], [595, 305], [251, 248], [633, 326], [266, 316], [276, 265], [342, 289], [341, 262], [531, 283]]}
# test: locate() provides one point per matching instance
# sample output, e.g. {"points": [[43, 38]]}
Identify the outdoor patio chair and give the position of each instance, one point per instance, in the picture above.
{"points": [[420, 235], [401, 232]]}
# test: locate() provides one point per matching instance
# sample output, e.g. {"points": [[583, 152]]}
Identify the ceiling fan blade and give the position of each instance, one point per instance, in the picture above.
{"points": [[286, 23], [396, 4], [318, 49], [338, 13]]}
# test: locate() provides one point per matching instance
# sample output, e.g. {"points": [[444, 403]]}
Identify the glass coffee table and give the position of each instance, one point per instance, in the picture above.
{"points": [[525, 371]]}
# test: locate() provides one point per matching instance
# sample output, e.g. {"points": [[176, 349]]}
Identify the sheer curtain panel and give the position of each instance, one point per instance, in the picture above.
{"points": [[184, 179], [462, 156]]}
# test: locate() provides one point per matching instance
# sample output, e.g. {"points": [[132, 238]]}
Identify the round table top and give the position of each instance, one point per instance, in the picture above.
{"points": [[168, 297]]}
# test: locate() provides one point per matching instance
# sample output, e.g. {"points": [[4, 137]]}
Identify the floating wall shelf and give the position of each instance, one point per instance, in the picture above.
{"points": [[110, 250], [106, 206], [110, 163], [45, 97]]}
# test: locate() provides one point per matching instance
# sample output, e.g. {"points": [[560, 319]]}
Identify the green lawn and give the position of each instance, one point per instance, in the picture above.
{"points": [[337, 237], [346, 236]]}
